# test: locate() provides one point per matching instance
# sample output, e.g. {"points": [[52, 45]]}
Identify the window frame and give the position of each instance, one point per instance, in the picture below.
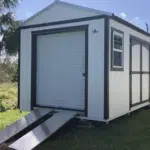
{"points": [[115, 31]]}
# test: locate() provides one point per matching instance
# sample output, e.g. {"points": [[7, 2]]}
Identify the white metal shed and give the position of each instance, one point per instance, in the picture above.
{"points": [[77, 58]]}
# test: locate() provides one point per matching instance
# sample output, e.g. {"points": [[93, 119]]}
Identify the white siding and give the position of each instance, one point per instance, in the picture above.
{"points": [[60, 12], [95, 67], [119, 80], [25, 70]]}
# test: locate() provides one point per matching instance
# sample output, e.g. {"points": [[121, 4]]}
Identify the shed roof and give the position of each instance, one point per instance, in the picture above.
{"points": [[94, 14], [94, 11]]}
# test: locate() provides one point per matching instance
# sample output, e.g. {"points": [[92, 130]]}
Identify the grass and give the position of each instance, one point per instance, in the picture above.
{"points": [[126, 133], [8, 96], [8, 104], [10, 116]]}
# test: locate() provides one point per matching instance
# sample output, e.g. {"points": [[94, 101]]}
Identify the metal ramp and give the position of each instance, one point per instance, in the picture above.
{"points": [[22, 124], [43, 131]]}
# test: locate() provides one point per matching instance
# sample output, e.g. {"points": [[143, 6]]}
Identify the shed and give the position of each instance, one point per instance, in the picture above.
{"points": [[82, 59]]}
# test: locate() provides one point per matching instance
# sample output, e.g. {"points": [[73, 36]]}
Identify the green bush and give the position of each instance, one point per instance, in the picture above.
{"points": [[8, 71], [8, 96]]}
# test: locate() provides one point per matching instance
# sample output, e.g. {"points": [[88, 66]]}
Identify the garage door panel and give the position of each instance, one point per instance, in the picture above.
{"points": [[145, 87], [135, 88], [60, 65], [145, 57]]}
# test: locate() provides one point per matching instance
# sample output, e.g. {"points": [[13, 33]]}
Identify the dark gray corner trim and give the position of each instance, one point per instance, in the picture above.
{"points": [[112, 67], [63, 22], [137, 104], [19, 51], [149, 74], [114, 17], [120, 20], [130, 75], [34, 60], [106, 69]]}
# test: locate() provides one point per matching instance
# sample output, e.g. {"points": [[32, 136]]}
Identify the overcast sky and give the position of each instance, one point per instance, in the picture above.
{"points": [[135, 11]]}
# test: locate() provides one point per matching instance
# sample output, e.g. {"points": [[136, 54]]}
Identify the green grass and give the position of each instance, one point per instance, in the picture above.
{"points": [[126, 133], [8, 96], [10, 116], [8, 104]]}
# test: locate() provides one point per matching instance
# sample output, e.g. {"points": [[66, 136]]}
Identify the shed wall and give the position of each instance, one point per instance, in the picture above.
{"points": [[119, 80], [95, 67]]}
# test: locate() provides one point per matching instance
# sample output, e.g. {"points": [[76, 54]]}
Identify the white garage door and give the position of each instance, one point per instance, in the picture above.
{"points": [[60, 68]]}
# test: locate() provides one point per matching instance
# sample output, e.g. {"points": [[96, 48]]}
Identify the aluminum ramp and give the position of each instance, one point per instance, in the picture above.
{"points": [[22, 124], [43, 131]]}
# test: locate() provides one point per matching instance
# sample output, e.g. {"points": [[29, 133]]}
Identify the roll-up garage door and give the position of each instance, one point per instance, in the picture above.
{"points": [[60, 70]]}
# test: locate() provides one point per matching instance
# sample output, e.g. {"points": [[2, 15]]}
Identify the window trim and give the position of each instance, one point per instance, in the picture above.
{"points": [[113, 67]]}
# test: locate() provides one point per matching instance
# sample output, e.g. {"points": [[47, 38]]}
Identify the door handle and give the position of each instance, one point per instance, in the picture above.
{"points": [[83, 74]]}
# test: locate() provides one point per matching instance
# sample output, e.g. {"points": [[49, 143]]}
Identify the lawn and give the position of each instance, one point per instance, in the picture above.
{"points": [[8, 105], [126, 133], [130, 132], [10, 116]]}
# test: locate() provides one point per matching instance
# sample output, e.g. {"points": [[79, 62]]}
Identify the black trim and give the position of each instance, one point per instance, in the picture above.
{"points": [[141, 42], [112, 45], [34, 60], [33, 70], [122, 21], [133, 105], [149, 74], [59, 108], [106, 69], [140, 72], [86, 70], [130, 74], [19, 51], [63, 22], [141, 81], [116, 18]]}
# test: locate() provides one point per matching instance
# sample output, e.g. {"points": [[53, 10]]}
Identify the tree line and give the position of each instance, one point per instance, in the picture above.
{"points": [[9, 42], [8, 25]]}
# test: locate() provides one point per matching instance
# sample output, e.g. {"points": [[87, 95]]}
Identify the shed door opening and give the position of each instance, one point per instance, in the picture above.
{"points": [[60, 70], [139, 73]]}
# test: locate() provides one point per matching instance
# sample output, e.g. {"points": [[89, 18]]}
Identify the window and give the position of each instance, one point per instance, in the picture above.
{"points": [[117, 50]]}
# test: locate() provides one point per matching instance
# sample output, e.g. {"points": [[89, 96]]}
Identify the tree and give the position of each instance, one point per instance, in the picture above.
{"points": [[8, 25], [11, 39]]}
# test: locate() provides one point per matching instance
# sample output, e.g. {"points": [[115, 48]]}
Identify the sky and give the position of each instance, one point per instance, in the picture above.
{"points": [[134, 11]]}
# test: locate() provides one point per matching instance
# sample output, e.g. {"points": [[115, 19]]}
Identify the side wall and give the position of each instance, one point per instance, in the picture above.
{"points": [[119, 80], [95, 67]]}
